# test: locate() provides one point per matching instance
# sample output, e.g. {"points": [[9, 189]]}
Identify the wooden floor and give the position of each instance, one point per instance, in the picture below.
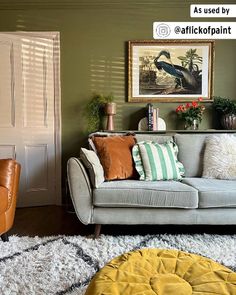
{"points": [[47, 221], [56, 220]]}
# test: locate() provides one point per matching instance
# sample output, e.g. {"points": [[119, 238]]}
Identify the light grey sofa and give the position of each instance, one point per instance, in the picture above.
{"points": [[194, 200]]}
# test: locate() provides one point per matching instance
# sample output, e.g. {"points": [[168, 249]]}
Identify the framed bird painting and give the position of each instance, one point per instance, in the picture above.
{"points": [[170, 70]]}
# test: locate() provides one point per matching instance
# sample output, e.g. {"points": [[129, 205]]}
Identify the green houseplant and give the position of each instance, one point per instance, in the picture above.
{"points": [[96, 110], [226, 108]]}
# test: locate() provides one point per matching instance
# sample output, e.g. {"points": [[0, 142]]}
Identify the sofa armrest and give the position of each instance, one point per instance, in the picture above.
{"points": [[80, 190]]}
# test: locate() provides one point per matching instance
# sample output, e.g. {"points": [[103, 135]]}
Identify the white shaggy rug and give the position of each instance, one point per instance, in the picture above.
{"points": [[65, 265]]}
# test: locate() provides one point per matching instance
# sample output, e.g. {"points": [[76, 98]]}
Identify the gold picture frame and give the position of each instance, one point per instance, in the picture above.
{"points": [[170, 70]]}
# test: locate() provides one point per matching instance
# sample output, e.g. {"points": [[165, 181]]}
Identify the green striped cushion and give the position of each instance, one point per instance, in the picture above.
{"points": [[138, 161], [155, 161]]}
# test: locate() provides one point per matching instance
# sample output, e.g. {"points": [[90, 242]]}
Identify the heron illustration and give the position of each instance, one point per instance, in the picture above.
{"points": [[183, 75]]}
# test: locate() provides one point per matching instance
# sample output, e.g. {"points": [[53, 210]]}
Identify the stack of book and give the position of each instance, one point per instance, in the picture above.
{"points": [[152, 117]]}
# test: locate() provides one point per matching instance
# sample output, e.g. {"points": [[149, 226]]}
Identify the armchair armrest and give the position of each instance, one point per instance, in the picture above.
{"points": [[9, 183], [3, 199], [80, 190]]}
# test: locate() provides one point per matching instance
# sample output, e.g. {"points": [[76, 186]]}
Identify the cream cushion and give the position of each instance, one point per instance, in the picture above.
{"points": [[92, 163], [220, 157]]}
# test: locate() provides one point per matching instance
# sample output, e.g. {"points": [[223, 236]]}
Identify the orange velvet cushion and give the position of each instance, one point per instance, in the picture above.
{"points": [[115, 154]]}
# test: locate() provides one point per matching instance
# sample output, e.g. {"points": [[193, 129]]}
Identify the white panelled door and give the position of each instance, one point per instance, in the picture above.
{"points": [[27, 114]]}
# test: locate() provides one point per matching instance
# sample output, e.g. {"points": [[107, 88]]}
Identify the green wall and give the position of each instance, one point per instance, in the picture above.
{"points": [[94, 55]]}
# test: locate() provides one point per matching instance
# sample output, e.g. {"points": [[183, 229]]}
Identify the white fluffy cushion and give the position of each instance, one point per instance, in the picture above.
{"points": [[92, 163], [220, 157]]}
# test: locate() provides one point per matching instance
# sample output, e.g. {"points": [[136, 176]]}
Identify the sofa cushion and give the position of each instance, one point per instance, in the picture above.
{"points": [[159, 138], [92, 163], [104, 134], [191, 152], [138, 162], [214, 193], [159, 161], [135, 151], [136, 193], [115, 155], [223, 166]]}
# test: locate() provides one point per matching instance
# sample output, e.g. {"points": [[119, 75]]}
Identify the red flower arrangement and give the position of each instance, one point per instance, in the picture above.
{"points": [[191, 111]]}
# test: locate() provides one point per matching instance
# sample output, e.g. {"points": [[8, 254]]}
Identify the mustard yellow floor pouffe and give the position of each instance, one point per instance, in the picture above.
{"points": [[162, 272]]}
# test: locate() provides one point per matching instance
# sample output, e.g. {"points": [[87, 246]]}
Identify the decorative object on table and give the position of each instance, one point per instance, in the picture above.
{"points": [[155, 119], [96, 109], [149, 117], [162, 271], [170, 70], [191, 113], [161, 124], [226, 108], [110, 111]]}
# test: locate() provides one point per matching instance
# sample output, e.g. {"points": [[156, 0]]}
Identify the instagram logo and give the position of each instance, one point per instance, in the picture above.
{"points": [[163, 30]]}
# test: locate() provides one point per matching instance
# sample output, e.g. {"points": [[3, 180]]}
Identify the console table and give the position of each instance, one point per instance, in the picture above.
{"points": [[170, 131]]}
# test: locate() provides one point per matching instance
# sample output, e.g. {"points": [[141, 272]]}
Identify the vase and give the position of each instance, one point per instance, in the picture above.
{"points": [[228, 121], [110, 111], [193, 125]]}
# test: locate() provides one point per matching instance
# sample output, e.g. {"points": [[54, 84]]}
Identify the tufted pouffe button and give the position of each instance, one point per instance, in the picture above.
{"points": [[163, 284]]}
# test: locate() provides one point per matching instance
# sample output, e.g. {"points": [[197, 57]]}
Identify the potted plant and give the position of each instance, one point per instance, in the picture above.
{"points": [[191, 113], [99, 106], [226, 108]]}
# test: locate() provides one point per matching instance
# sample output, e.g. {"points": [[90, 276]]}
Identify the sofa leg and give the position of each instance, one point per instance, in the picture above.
{"points": [[5, 237], [97, 230]]}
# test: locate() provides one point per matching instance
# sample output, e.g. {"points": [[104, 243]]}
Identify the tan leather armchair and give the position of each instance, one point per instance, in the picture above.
{"points": [[9, 183]]}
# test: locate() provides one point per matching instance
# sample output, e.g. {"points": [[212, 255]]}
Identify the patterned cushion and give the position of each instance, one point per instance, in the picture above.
{"points": [[138, 161], [155, 161]]}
